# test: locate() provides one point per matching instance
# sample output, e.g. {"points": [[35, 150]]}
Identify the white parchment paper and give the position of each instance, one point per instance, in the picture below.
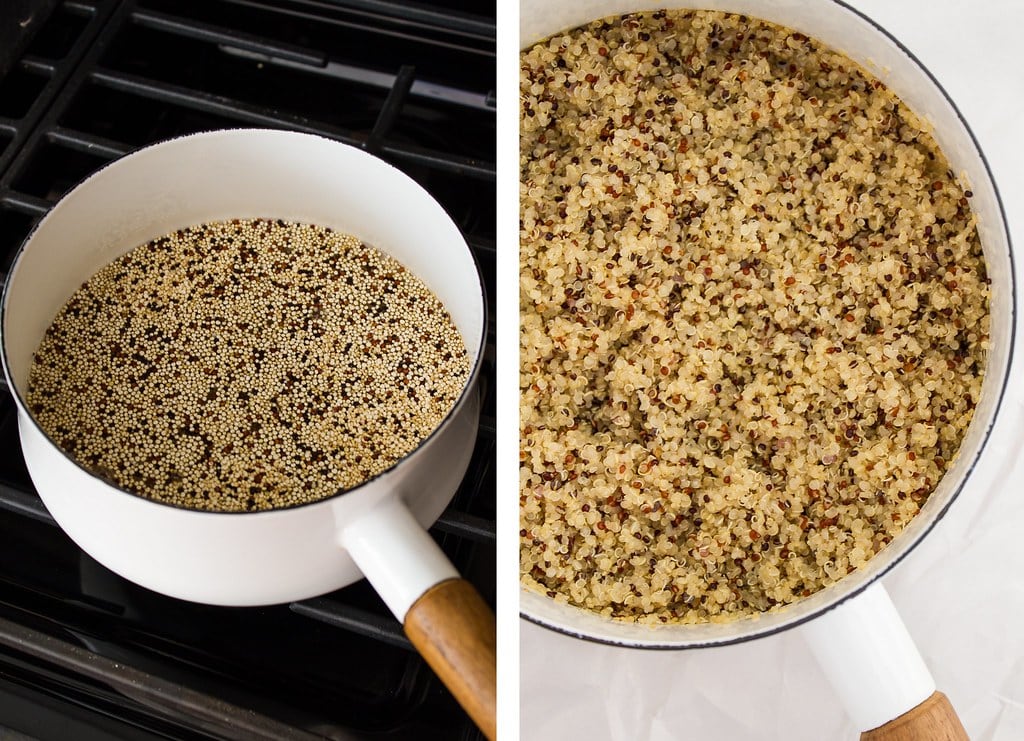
{"points": [[961, 592]]}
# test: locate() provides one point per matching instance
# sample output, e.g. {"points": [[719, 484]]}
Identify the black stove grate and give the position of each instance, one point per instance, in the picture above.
{"points": [[82, 649]]}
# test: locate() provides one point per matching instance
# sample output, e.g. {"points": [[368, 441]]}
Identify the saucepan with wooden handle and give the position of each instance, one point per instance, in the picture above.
{"points": [[852, 626], [376, 529]]}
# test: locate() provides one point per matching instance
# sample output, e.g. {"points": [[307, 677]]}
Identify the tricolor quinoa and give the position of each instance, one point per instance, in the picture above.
{"points": [[246, 365], [754, 316]]}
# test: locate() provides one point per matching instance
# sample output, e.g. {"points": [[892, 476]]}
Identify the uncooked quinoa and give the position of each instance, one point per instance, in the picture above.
{"points": [[754, 315], [247, 365]]}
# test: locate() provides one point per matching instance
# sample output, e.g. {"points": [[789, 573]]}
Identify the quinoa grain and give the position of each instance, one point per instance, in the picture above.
{"points": [[246, 365], [751, 294]]}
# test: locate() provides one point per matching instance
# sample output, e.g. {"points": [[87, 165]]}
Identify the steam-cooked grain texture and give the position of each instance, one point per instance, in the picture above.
{"points": [[754, 316]]}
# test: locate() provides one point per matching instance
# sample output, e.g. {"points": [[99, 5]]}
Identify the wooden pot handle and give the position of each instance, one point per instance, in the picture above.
{"points": [[932, 720], [453, 629]]}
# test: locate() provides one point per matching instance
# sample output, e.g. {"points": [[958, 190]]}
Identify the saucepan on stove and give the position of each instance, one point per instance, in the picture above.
{"points": [[851, 626], [375, 529]]}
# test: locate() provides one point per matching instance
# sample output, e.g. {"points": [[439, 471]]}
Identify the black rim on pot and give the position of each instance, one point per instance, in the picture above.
{"points": [[468, 389], [909, 545]]}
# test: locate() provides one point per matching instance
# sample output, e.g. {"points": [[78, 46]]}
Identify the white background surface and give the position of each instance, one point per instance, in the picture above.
{"points": [[961, 592]]}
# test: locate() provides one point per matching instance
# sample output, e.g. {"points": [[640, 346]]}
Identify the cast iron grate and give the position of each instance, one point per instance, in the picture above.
{"points": [[412, 83]]}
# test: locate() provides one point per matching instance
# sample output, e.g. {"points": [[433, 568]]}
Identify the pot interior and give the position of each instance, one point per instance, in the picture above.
{"points": [[234, 174], [847, 31]]}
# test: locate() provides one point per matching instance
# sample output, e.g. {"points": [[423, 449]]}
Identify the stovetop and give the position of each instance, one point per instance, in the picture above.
{"points": [[83, 653]]}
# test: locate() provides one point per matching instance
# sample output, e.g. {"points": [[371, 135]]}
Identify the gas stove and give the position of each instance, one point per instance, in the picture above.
{"points": [[85, 654]]}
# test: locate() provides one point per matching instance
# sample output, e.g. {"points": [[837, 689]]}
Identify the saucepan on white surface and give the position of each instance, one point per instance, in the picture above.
{"points": [[376, 529], [852, 627]]}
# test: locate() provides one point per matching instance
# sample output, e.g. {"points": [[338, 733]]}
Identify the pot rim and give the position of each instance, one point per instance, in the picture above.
{"points": [[905, 547], [467, 390]]}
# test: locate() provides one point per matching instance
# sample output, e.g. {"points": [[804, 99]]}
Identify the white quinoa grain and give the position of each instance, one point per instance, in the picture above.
{"points": [[754, 316]]}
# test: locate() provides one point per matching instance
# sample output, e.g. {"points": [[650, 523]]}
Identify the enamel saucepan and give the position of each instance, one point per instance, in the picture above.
{"points": [[375, 530], [852, 627]]}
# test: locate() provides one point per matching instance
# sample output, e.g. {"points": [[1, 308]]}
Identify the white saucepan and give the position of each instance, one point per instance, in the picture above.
{"points": [[376, 529], [852, 627]]}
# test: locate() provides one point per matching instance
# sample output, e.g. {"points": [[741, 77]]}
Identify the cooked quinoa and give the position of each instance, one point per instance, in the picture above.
{"points": [[246, 365], [754, 314]]}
